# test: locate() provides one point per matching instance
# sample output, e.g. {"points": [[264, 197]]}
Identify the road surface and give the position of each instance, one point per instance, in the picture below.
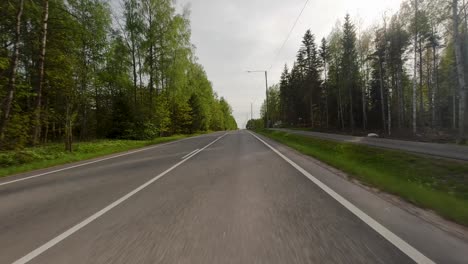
{"points": [[218, 198], [434, 149]]}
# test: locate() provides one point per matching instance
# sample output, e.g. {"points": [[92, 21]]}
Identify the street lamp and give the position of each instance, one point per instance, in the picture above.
{"points": [[266, 91]]}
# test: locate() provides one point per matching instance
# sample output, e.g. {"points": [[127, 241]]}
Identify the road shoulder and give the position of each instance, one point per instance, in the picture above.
{"points": [[437, 238]]}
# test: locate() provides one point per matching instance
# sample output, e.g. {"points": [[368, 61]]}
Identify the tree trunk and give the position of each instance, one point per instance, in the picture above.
{"points": [[38, 102], [151, 60], [389, 112], [82, 105], [54, 132], [340, 109], [140, 72], [403, 99], [465, 7], [98, 107], [435, 88], [415, 65], [68, 129], [460, 73], [8, 101], [311, 114], [46, 121], [454, 108], [429, 84], [351, 112], [466, 50], [367, 84], [326, 93], [399, 97], [382, 101], [46, 133], [151, 77], [364, 103], [421, 97], [134, 66]]}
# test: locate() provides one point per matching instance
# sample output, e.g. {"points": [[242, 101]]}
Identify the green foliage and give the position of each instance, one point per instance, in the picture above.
{"points": [[17, 131], [4, 63], [181, 117], [217, 122], [362, 79], [274, 105], [132, 79], [254, 124], [162, 116], [300, 89]]}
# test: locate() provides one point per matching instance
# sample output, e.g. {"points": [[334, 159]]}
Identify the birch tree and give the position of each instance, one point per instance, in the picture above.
{"points": [[11, 87]]}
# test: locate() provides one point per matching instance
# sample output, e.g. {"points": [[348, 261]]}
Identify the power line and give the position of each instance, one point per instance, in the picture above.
{"points": [[289, 34]]}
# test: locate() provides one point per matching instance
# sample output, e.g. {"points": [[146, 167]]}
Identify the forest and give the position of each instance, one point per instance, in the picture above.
{"points": [[404, 76], [77, 70]]}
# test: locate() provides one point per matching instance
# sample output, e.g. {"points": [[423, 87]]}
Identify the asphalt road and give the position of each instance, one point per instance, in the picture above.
{"points": [[233, 200], [434, 149]]}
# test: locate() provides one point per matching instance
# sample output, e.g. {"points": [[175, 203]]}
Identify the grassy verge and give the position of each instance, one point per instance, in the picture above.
{"points": [[437, 184], [13, 162]]}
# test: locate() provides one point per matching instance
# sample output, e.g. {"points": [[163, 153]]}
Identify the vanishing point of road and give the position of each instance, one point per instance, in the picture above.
{"points": [[232, 197]]}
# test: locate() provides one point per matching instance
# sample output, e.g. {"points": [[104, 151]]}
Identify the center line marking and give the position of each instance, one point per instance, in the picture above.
{"points": [[189, 154], [98, 214], [402, 245]]}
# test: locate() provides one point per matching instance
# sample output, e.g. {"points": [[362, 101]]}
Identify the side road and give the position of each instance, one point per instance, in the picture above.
{"points": [[434, 149]]}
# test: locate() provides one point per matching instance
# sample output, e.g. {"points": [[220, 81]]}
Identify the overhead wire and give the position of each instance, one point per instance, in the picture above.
{"points": [[289, 35]]}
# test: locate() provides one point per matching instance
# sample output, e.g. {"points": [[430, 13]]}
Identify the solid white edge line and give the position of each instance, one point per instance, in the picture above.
{"points": [[189, 154], [95, 161], [406, 248], [30, 256]]}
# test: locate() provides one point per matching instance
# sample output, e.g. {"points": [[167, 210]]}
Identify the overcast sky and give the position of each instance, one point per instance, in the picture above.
{"points": [[233, 36]]}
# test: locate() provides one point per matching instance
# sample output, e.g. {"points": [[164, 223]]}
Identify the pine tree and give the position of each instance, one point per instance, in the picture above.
{"points": [[311, 66], [325, 56], [349, 65]]}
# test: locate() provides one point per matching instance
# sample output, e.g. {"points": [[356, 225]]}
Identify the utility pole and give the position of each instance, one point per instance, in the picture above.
{"points": [[266, 91], [266, 106], [251, 111]]}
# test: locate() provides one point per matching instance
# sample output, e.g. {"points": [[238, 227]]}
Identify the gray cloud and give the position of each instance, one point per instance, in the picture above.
{"points": [[234, 36]]}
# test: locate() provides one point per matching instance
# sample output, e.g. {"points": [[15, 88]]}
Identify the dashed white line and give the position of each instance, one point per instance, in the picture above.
{"points": [[30, 256], [406, 248]]}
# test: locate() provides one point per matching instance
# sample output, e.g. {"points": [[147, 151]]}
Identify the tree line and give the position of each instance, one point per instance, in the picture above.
{"points": [[76, 69], [406, 74]]}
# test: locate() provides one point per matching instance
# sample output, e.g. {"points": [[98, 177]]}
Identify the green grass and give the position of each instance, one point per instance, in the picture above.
{"points": [[300, 128], [13, 162], [437, 184]]}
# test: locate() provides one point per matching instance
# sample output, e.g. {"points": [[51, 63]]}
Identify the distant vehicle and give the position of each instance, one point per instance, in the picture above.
{"points": [[278, 124]]}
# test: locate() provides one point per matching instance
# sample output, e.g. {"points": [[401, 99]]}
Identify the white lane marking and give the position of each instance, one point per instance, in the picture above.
{"points": [[95, 161], [406, 248], [189, 154], [30, 256]]}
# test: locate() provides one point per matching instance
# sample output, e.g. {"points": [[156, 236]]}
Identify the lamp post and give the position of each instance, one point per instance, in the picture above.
{"points": [[266, 92]]}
